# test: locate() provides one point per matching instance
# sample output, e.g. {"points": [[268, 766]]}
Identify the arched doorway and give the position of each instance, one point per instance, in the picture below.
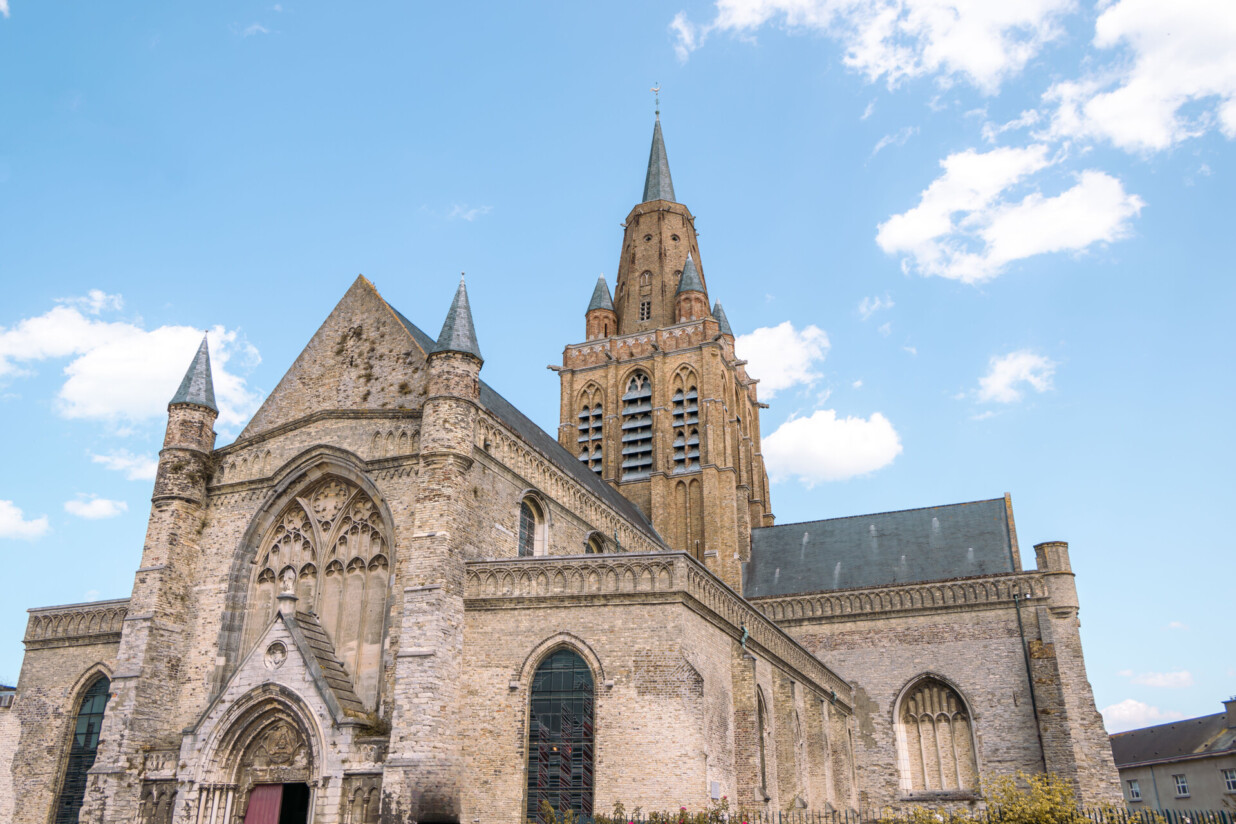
{"points": [[561, 736]]}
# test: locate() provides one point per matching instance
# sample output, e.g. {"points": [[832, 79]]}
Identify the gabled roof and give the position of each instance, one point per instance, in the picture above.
{"points": [[722, 321], [600, 297], [657, 183], [458, 334], [1208, 735], [546, 445], [197, 387], [323, 664], [690, 280], [931, 544]]}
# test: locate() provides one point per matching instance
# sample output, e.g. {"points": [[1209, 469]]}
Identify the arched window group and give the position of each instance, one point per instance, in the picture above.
{"points": [[561, 738], [329, 547], [533, 532], [937, 739], [686, 420], [589, 425], [82, 750], [637, 428]]}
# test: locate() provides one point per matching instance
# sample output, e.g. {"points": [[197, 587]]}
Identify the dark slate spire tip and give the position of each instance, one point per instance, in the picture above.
{"points": [[198, 387], [722, 320], [690, 281], [657, 184], [600, 296], [458, 334]]}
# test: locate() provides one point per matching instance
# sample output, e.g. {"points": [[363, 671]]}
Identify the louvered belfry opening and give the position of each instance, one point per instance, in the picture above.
{"points": [[686, 419], [82, 751], [561, 737], [590, 424], [637, 428]]}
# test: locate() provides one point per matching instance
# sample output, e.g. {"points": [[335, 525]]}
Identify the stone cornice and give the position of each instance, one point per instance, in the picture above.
{"points": [[657, 577], [73, 625], [939, 596], [322, 415]]}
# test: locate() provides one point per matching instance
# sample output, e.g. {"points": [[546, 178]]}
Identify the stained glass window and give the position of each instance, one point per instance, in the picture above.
{"points": [[82, 751], [561, 736]]}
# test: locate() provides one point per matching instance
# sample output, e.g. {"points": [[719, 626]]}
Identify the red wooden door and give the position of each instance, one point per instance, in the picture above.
{"points": [[264, 803]]}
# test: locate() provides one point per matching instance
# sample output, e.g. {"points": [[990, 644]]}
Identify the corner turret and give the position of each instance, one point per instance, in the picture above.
{"points": [[191, 417], [690, 301], [722, 321], [601, 321]]}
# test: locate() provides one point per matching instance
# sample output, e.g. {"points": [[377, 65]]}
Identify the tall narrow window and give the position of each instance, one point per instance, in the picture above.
{"points": [[685, 420], [531, 528], [561, 736], [637, 428], [761, 732], [82, 750], [590, 425], [937, 739]]}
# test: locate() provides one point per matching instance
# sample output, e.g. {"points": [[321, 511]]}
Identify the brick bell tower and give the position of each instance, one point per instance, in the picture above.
{"points": [[655, 401]]}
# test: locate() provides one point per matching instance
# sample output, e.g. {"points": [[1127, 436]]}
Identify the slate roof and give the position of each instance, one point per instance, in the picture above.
{"points": [[600, 296], [931, 544], [1208, 735], [690, 281], [323, 654], [722, 321], [197, 387], [458, 334], [657, 183], [547, 446]]}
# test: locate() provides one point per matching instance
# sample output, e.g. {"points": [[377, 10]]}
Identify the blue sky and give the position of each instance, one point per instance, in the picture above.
{"points": [[969, 248]]}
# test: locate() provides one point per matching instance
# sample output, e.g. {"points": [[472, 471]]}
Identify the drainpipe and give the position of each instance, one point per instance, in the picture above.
{"points": [[1025, 652], [1155, 784]]}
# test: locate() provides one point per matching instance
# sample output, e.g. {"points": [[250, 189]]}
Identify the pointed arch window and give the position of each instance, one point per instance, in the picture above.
{"points": [[637, 428], [331, 542], [561, 737], [589, 425], [761, 733], [936, 740], [686, 420], [82, 750], [532, 529]]}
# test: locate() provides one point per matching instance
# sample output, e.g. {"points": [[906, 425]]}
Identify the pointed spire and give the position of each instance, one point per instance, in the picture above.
{"points": [[658, 185], [690, 277], [600, 297], [458, 333], [198, 387], [719, 314]]}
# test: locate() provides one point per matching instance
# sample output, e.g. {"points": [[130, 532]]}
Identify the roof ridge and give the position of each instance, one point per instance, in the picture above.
{"points": [[886, 512]]}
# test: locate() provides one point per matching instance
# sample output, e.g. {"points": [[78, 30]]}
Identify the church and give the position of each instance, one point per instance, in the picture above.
{"points": [[394, 598]]}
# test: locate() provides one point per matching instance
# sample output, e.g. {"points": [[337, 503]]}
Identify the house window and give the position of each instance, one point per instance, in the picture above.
{"points": [[1182, 786], [82, 750], [637, 428], [561, 736], [1229, 780], [531, 528], [1135, 791], [645, 310]]}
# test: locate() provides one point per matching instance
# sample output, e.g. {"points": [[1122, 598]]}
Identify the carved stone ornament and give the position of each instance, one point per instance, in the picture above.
{"points": [[276, 654]]}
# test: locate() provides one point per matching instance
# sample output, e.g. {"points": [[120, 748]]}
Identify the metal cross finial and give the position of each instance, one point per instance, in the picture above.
{"points": [[656, 90]]}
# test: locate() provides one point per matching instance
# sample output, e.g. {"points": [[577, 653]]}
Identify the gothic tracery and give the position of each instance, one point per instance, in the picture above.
{"points": [[937, 739]]}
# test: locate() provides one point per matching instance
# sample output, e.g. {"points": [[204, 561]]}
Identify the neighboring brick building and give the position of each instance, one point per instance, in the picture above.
{"points": [[1184, 765], [396, 598]]}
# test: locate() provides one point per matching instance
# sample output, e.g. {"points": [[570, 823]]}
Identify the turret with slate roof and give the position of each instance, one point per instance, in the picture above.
{"points": [[197, 387], [722, 321], [690, 300], [458, 334], [600, 319]]}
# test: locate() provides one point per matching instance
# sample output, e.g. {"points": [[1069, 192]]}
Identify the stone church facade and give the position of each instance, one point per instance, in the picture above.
{"points": [[395, 598]]}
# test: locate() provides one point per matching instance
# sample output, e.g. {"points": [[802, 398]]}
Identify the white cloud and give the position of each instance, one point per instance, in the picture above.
{"points": [[4, 8], [254, 28], [963, 229], [94, 301], [134, 467], [912, 351], [823, 447], [1165, 680], [885, 329], [14, 525], [892, 40], [1008, 375], [1173, 54], [1126, 673], [991, 131], [782, 356], [867, 112], [898, 139], [94, 508], [1131, 714], [120, 372], [858, 384], [463, 212], [1177, 625], [870, 305]]}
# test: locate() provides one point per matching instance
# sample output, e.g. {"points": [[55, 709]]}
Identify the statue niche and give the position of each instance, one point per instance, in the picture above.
{"points": [[329, 546]]}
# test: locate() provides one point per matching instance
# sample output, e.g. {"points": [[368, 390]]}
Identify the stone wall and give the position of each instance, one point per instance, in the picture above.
{"points": [[10, 731]]}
